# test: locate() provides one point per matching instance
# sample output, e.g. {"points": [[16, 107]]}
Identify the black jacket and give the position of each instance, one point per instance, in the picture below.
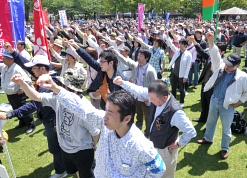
{"points": [[207, 58], [97, 82]]}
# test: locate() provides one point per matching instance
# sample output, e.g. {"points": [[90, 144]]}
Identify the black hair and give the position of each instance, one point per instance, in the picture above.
{"points": [[22, 43], [47, 68], [159, 87], [159, 41], [110, 55], [139, 45], [146, 52], [221, 46], [126, 103], [190, 34], [104, 29], [184, 42], [73, 32], [71, 56]]}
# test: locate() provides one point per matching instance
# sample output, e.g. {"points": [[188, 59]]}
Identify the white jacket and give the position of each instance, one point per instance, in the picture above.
{"points": [[237, 90], [185, 60]]}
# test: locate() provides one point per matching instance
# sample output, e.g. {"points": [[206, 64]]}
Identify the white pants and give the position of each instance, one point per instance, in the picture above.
{"points": [[170, 158]]}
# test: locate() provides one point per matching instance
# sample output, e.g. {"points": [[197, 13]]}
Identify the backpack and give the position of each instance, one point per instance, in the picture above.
{"points": [[238, 124]]}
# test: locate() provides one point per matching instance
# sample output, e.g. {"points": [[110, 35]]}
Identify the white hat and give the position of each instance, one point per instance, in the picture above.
{"points": [[119, 39], [38, 59]]}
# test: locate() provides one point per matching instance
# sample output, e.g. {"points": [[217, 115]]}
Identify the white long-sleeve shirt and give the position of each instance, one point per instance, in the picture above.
{"points": [[179, 118], [132, 156], [185, 60], [234, 92]]}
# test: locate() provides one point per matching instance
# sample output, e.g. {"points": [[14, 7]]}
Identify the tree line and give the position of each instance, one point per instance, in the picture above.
{"points": [[93, 7]]}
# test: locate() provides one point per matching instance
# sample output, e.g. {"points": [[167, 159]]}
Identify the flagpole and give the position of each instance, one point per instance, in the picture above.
{"points": [[217, 21]]}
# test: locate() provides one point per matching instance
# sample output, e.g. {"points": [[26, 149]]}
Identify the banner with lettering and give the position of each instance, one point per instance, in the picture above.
{"points": [[18, 16], [11, 22], [63, 17], [40, 42]]}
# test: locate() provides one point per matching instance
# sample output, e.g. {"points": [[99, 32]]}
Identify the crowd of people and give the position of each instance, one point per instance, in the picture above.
{"points": [[122, 71]]}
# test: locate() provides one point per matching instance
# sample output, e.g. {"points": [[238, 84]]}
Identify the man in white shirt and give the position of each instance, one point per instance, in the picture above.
{"points": [[21, 47], [15, 95]]}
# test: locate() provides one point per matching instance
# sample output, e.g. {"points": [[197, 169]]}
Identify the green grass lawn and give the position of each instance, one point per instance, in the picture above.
{"points": [[31, 158]]}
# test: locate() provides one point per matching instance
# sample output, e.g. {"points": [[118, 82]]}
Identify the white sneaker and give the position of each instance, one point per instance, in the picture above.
{"points": [[186, 93], [182, 105], [64, 174]]}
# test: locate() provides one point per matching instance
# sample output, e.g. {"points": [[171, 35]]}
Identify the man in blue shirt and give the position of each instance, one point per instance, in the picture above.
{"points": [[230, 90]]}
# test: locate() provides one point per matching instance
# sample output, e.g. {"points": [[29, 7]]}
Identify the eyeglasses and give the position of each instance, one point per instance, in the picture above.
{"points": [[102, 62], [35, 68]]}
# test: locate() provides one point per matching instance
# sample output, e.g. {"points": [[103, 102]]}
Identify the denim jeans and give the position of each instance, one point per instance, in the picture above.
{"points": [[217, 110], [53, 146], [194, 69]]}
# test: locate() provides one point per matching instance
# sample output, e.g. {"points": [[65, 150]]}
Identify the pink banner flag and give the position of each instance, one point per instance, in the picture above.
{"points": [[40, 41], [141, 8], [199, 18]]}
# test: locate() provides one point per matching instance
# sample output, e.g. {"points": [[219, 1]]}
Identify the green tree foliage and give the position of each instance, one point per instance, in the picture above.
{"points": [[90, 7], [226, 4]]}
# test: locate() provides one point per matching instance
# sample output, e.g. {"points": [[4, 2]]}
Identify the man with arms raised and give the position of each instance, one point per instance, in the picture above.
{"points": [[122, 151]]}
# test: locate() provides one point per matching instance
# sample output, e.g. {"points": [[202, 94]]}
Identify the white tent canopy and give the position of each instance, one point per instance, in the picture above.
{"points": [[233, 11]]}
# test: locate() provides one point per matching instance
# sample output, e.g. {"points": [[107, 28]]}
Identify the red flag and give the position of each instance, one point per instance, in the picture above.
{"points": [[5, 26], [45, 17], [40, 41]]}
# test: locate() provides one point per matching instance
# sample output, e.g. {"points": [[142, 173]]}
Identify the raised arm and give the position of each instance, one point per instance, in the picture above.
{"points": [[86, 57], [132, 88], [81, 107], [56, 55], [214, 51], [199, 49], [169, 42], [29, 91], [18, 58], [127, 61], [138, 40]]}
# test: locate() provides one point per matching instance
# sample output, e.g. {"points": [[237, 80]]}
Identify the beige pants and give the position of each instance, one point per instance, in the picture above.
{"points": [[236, 50], [244, 48], [170, 158]]}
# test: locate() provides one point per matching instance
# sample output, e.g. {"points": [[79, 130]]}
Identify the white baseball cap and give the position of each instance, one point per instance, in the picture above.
{"points": [[38, 59]]}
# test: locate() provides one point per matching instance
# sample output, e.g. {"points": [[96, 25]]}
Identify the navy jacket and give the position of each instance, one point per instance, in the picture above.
{"points": [[45, 114], [207, 59], [97, 82]]}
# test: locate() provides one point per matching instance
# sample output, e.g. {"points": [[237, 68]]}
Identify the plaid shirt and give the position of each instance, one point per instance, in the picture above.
{"points": [[157, 58]]}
